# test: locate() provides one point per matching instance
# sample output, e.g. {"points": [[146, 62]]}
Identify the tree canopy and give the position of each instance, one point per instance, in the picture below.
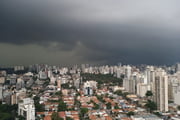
{"points": [[83, 111], [149, 93], [178, 107], [151, 105], [55, 116], [39, 107], [101, 78], [62, 106], [8, 112], [130, 113]]}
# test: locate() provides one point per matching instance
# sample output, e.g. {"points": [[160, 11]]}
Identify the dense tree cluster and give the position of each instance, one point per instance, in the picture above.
{"points": [[39, 107], [101, 78], [83, 112], [8, 112], [151, 106], [62, 106], [55, 116]]}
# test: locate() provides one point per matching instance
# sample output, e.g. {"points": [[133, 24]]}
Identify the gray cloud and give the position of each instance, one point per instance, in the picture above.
{"points": [[103, 31]]}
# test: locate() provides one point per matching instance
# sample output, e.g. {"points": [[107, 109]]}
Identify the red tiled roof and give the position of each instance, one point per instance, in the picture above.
{"points": [[108, 118], [62, 114], [47, 117]]}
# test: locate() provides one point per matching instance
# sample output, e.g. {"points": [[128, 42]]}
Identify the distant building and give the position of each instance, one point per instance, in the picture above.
{"points": [[26, 108], [89, 86], [177, 96], [7, 96], [118, 72], [42, 75], [177, 68], [18, 68], [128, 72], [142, 89], [2, 80], [52, 80], [58, 84], [2, 73], [149, 74], [20, 83], [12, 79], [77, 83], [1, 92]]}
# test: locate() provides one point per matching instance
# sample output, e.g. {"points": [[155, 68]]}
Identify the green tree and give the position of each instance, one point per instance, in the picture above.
{"points": [[5, 116], [125, 95], [8, 112], [149, 93], [101, 78], [68, 118], [130, 113], [151, 106], [116, 106], [62, 106], [83, 111], [118, 92], [46, 83], [65, 86], [21, 117], [39, 107], [178, 107], [96, 106], [55, 116], [59, 93], [108, 105], [100, 97]]}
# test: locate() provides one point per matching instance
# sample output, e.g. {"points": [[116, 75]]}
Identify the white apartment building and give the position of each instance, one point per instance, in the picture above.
{"points": [[142, 89], [161, 90], [26, 108]]}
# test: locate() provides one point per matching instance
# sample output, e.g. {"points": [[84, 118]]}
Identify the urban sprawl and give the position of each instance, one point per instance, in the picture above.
{"points": [[86, 92]]}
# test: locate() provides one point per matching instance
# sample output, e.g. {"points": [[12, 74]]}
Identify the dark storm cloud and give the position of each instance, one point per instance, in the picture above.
{"points": [[112, 31]]}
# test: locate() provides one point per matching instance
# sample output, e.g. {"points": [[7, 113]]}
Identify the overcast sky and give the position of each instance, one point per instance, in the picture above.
{"points": [[67, 32]]}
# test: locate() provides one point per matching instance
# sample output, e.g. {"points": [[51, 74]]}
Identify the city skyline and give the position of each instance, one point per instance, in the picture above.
{"points": [[122, 92], [71, 32]]}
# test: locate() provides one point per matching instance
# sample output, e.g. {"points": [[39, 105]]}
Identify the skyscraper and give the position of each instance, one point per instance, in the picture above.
{"points": [[128, 72], [149, 74], [177, 67], [161, 90]]}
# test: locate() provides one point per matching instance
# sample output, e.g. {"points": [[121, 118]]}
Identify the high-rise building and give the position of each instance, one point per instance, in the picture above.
{"points": [[77, 83], [142, 89], [126, 84], [1, 92], [177, 68], [177, 96], [13, 99], [128, 72], [126, 80], [118, 72], [26, 108], [150, 74], [133, 83], [58, 84], [161, 90]]}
